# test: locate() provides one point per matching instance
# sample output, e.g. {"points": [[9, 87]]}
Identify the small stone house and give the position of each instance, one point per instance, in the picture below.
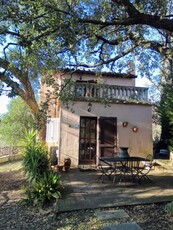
{"points": [[105, 112]]}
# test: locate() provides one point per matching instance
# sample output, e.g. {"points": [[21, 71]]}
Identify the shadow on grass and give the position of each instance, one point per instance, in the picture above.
{"points": [[11, 166], [12, 180]]}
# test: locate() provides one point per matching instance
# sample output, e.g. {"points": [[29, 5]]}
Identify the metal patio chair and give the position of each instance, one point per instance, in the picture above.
{"points": [[143, 170], [122, 172], [106, 169]]}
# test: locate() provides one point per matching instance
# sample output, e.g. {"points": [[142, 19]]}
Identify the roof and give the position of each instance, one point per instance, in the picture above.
{"points": [[105, 74]]}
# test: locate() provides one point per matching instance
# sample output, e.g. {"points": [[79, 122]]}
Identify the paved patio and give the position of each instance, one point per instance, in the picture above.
{"points": [[83, 191]]}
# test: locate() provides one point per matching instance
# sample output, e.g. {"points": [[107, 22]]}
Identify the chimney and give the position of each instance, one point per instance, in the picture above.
{"points": [[131, 68]]}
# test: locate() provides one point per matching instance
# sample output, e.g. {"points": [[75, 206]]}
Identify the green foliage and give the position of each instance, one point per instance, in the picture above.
{"points": [[166, 114], [53, 34], [44, 185], [169, 208], [30, 137], [48, 35], [57, 33], [45, 189], [35, 158], [15, 122]]}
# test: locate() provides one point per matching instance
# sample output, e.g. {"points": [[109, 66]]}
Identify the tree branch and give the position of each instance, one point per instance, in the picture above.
{"points": [[130, 9], [27, 91], [135, 18], [105, 62], [10, 83]]}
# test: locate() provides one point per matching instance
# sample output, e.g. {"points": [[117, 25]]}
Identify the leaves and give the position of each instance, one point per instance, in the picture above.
{"points": [[166, 113], [35, 158], [40, 37], [45, 189], [15, 122]]}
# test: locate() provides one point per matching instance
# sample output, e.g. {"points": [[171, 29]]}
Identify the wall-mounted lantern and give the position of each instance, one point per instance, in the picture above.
{"points": [[135, 129], [89, 106], [125, 124]]}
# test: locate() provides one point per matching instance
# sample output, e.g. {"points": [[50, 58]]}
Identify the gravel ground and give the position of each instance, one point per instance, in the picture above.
{"points": [[14, 214]]}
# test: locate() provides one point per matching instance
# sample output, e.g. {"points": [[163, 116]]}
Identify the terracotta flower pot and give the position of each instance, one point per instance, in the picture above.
{"points": [[60, 168], [55, 168], [67, 164], [67, 168]]}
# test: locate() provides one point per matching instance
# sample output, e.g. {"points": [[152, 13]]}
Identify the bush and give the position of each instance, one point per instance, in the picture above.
{"points": [[44, 185], [35, 161], [169, 208], [46, 189], [35, 158]]}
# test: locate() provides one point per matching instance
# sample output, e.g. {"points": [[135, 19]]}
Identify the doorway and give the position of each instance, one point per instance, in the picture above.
{"points": [[87, 140], [108, 136]]}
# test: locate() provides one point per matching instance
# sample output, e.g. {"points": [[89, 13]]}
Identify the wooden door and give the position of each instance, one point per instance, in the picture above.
{"points": [[87, 142], [108, 136]]}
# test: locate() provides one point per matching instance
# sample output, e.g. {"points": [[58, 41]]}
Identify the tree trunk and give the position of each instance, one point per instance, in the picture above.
{"points": [[42, 130], [40, 121]]}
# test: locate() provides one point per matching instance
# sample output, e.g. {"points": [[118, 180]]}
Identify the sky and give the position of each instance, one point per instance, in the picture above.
{"points": [[4, 100]]}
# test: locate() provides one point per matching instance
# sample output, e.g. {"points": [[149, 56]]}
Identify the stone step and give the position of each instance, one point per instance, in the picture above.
{"points": [[111, 214], [124, 226], [116, 214]]}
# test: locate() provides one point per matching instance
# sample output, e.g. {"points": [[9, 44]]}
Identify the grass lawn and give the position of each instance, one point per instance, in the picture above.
{"points": [[11, 166]]}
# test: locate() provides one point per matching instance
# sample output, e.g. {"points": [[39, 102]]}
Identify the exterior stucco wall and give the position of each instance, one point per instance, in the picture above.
{"points": [[69, 136], [139, 143], [105, 80], [54, 104]]}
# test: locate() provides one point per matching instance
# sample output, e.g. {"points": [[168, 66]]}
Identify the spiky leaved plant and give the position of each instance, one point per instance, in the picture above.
{"points": [[35, 158], [44, 184]]}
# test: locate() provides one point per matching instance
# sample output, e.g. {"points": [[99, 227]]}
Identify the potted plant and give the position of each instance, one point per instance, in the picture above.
{"points": [[60, 168], [67, 164]]}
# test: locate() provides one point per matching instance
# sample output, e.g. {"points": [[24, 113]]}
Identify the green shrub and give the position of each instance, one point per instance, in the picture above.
{"points": [[35, 158], [45, 189], [44, 185], [169, 208]]}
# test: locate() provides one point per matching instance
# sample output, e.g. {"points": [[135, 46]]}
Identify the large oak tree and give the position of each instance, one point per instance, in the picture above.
{"points": [[38, 37]]}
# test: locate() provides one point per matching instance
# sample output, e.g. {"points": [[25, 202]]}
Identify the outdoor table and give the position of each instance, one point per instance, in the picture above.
{"points": [[123, 167]]}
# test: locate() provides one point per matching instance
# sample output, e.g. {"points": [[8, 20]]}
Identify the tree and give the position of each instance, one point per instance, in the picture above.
{"points": [[106, 31], [25, 54], [46, 35], [166, 113], [15, 123]]}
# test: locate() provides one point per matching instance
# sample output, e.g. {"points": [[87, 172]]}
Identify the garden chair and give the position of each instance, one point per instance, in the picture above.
{"points": [[143, 170], [106, 169], [122, 172]]}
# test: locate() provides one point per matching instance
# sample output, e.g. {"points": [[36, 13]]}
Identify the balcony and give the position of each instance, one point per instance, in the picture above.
{"points": [[110, 93]]}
